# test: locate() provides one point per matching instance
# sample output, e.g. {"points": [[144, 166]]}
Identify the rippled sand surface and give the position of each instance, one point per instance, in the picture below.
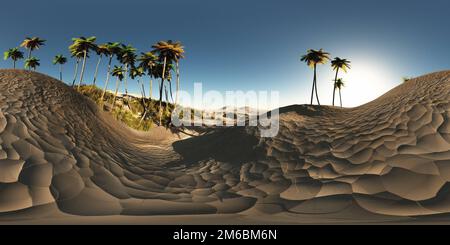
{"points": [[63, 161]]}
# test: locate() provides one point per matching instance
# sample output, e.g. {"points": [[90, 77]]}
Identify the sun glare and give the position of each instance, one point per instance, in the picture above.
{"points": [[365, 82]]}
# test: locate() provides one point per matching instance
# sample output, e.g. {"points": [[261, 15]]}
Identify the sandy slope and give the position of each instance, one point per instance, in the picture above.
{"points": [[388, 160]]}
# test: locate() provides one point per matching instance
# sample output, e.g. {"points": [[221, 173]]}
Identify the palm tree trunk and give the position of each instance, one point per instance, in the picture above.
{"points": [[340, 97], [82, 69], [317, 95], [315, 83], [178, 85], [143, 100], [14, 64], [76, 72], [125, 81], [115, 93], [96, 69], [29, 57], [161, 90], [60, 72], [170, 90], [312, 92], [151, 89], [107, 78], [334, 85]]}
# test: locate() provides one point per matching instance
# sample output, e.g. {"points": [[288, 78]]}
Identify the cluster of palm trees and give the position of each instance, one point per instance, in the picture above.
{"points": [[158, 63], [317, 57], [30, 44]]}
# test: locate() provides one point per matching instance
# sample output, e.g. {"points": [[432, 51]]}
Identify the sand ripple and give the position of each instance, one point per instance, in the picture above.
{"points": [[388, 157]]}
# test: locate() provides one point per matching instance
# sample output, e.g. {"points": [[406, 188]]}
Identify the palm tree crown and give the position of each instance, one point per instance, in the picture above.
{"points": [[32, 43], [14, 54], [101, 49], [83, 44], [59, 59], [147, 61], [338, 63], [136, 72], [118, 72], [113, 48], [32, 63], [315, 57], [169, 49], [127, 55], [339, 83]]}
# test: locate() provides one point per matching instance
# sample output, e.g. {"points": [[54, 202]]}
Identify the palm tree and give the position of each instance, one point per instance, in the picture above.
{"points": [[339, 84], [138, 72], [15, 54], [113, 49], [167, 52], [83, 44], [338, 63], [118, 72], [78, 56], [32, 63], [61, 60], [312, 58], [127, 57], [147, 61], [178, 54], [32, 43], [101, 50]]}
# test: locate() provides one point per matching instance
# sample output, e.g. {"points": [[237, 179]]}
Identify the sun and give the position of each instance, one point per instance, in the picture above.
{"points": [[365, 82]]}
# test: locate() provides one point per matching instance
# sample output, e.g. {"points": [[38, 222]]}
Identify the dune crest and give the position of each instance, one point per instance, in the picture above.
{"points": [[388, 157]]}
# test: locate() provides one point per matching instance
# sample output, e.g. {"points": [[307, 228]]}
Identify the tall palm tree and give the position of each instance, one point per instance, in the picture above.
{"points": [[147, 61], [32, 43], [15, 54], [339, 84], [113, 49], [101, 50], [178, 54], [337, 64], [127, 57], [61, 60], [84, 45], [119, 73], [32, 63], [78, 56], [167, 52], [312, 59]]}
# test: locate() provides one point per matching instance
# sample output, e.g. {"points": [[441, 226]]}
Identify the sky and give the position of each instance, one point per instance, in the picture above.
{"points": [[252, 45]]}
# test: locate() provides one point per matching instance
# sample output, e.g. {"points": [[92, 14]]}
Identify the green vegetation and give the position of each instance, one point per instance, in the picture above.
{"points": [[32, 63], [60, 60], [15, 54], [138, 113], [32, 43]]}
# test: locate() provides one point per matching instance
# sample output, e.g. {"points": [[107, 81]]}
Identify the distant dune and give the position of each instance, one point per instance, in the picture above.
{"points": [[62, 160]]}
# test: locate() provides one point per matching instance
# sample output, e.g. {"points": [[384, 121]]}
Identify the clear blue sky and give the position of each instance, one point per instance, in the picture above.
{"points": [[250, 45]]}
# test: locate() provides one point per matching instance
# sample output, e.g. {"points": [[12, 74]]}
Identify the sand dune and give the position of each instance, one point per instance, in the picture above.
{"points": [[387, 160]]}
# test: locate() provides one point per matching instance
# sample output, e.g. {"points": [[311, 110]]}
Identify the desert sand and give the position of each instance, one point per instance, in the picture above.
{"points": [[63, 161]]}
